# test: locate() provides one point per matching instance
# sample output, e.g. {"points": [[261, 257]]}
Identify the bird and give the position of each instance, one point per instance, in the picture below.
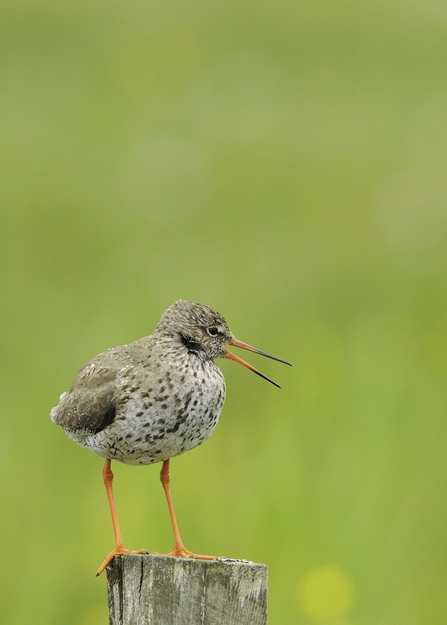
{"points": [[151, 400]]}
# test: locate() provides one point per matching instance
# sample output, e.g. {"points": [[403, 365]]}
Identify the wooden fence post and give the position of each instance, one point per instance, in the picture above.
{"points": [[161, 590]]}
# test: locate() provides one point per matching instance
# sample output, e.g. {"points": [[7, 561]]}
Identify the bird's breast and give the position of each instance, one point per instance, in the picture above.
{"points": [[164, 415]]}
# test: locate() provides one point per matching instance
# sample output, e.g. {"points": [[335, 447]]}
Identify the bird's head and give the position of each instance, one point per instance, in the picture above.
{"points": [[204, 332]]}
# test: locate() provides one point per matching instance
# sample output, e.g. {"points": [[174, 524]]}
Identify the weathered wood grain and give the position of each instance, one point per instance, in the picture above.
{"points": [[161, 590]]}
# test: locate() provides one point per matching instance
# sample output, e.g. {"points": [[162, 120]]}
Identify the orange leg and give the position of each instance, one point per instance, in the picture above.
{"points": [[179, 548], [120, 549]]}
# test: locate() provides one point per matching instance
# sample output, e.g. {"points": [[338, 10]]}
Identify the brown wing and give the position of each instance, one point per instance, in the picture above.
{"points": [[90, 404]]}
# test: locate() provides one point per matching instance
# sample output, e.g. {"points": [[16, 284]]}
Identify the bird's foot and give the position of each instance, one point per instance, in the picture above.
{"points": [[119, 550], [181, 552]]}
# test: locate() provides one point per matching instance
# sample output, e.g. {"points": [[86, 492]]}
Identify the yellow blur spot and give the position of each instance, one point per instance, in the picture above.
{"points": [[325, 593]]}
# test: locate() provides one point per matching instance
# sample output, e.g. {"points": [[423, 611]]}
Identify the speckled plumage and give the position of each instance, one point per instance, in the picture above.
{"points": [[155, 398], [152, 400]]}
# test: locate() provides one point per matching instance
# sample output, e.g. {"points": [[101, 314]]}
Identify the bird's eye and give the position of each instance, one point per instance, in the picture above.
{"points": [[213, 331]]}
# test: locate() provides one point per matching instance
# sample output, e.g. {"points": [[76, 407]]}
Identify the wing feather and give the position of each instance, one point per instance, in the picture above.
{"points": [[90, 404]]}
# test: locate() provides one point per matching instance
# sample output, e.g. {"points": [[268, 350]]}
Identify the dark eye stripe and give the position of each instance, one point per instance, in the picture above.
{"points": [[190, 344]]}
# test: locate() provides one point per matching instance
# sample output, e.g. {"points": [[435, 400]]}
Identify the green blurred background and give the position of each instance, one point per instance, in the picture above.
{"points": [[285, 163]]}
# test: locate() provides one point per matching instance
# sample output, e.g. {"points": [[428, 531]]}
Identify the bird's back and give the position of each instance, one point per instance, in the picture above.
{"points": [[92, 394], [143, 402]]}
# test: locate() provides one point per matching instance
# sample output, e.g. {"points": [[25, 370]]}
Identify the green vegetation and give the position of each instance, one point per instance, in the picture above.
{"points": [[284, 163]]}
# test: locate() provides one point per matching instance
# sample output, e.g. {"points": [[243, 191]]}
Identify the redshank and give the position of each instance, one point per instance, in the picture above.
{"points": [[153, 399]]}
